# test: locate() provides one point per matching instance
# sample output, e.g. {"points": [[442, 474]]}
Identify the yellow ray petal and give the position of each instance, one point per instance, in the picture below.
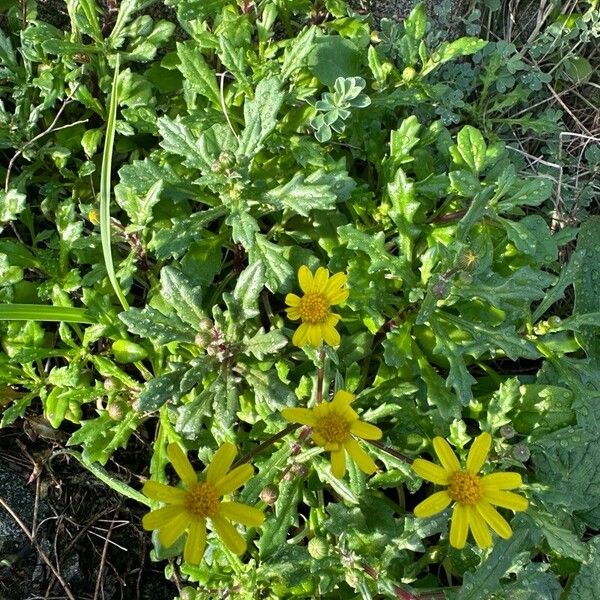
{"points": [[430, 471], [320, 280], [446, 455], [365, 463], [433, 505], [241, 513], [335, 284], [338, 463], [366, 431], [501, 481], [506, 499], [163, 493], [330, 335], [292, 300], [182, 465], [494, 519], [227, 532], [479, 527], [196, 543], [339, 296], [293, 313], [332, 319], [304, 416], [478, 452], [341, 401], [221, 462], [459, 527], [160, 517], [234, 479], [172, 531], [314, 334], [301, 335], [305, 279]]}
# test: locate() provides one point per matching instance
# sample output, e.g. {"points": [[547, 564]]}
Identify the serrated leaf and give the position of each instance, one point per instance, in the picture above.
{"points": [[177, 139], [296, 54], [247, 290], [527, 193], [196, 71], [300, 197], [152, 324], [275, 530], [278, 271], [260, 116], [485, 581], [262, 344], [531, 235], [586, 584], [161, 389], [179, 292], [244, 227]]}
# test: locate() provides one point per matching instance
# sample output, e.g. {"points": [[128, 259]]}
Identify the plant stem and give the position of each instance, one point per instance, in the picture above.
{"points": [[320, 375], [268, 442]]}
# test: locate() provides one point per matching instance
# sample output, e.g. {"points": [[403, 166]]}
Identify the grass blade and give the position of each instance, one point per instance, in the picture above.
{"points": [[109, 141], [43, 312]]}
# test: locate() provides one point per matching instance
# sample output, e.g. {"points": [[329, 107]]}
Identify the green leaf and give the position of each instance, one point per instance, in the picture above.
{"points": [[485, 581], [244, 227], [177, 139], [247, 290], [177, 239], [471, 147], [531, 235], [180, 293], [527, 193], [275, 530], [152, 324], [586, 584], [12, 203], [586, 282], [334, 57], [260, 116], [296, 54], [561, 540], [278, 271], [451, 50], [161, 389], [197, 72], [301, 197], [404, 208], [501, 403], [139, 209], [42, 312]]}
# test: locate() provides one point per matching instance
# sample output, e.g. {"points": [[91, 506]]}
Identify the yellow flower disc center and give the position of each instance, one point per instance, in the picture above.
{"points": [[313, 308], [333, 428], [465, 488], [202, 500]]}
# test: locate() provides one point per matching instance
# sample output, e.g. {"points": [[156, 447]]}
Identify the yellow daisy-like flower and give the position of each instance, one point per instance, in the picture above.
{"points": [[473, 494], [334, 425], [320, 293], [189, 508]]}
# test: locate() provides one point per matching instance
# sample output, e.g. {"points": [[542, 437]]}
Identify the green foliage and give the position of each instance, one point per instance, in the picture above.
{"points": [[247, 141]]}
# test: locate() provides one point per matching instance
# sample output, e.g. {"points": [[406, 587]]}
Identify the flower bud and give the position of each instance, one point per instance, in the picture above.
{"points": [[521, 452], [205, 324], [507, 432], [269, 494], [409, 74], [299, 469], [318, 548], [125, 351], [117, 409], [203, 339]]}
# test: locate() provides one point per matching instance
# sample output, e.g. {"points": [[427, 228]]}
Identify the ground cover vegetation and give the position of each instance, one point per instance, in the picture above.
{"points": [[316, 298]]}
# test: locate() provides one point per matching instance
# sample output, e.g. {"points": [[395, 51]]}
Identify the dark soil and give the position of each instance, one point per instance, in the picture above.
{"points": [[90, 534]]}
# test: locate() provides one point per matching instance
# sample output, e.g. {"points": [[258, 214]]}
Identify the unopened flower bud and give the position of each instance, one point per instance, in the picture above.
{"points": [[269, 494], [203, 339], [507, 432], [409, 74], [187, 593], [521, 452], [299, 469], [117, 409], [109, 383], [317, 548], [205, 324]]}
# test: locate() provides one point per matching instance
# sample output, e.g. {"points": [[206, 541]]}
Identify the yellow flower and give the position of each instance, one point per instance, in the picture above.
{"points": [[320, 292], [334, 425], [473, 494], [200, 499]]}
